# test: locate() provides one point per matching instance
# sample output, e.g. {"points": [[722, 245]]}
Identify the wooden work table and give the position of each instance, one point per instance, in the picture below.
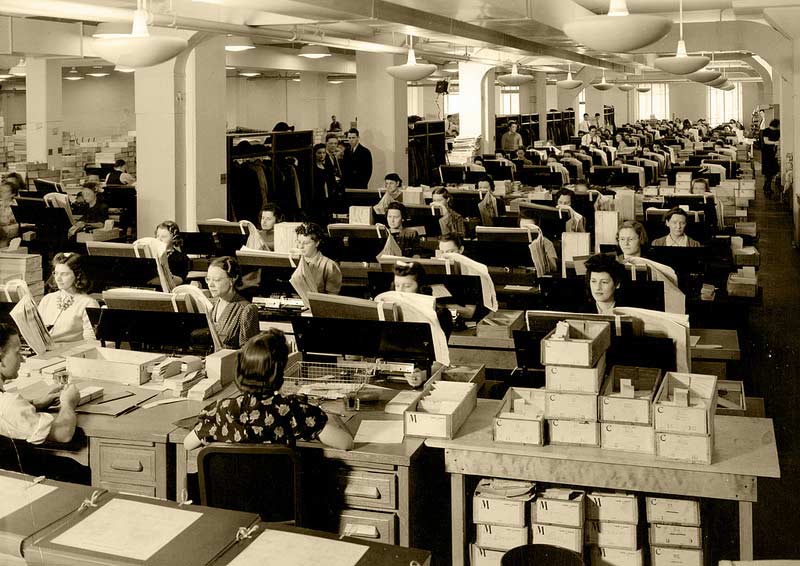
{"points": [[744, 451]]}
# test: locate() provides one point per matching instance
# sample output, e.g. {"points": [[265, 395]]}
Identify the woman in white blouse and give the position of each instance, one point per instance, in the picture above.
{"points": [[64, 311]]}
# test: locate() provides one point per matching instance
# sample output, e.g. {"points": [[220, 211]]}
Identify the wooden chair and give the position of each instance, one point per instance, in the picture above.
{"points": [[540, 554], [257, 478]]}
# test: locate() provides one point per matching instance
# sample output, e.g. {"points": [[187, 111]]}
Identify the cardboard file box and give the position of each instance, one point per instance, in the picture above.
{"points": [[627, 437], [731, 397], [564, 537], [746, 256], [673, 511], [612, 507], [520, 419], [743, 283], [629, 406], [572, 406], [676, 535], [98, 235], [127, 367], [587, 341], [697, 449], [485, 556], [441, 409], [559, 506], [574, 433], [502, 502], [575, 379], [360, 215], [498, 537], [617, 557], [685, 403], [500, 324], [668, 556], [611, 535]]}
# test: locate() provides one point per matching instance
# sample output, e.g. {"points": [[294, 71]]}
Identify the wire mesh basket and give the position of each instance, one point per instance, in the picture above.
{"points": [[326, 380]]}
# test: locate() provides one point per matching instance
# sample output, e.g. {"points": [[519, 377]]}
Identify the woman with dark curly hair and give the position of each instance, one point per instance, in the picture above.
{"points": [[64, 310], [319, 272], [236, 320]]}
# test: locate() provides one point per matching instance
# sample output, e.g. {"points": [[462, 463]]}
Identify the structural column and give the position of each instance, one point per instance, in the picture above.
{"points": [[382, 114], [541, 103], [476, 101], [43, 109]]}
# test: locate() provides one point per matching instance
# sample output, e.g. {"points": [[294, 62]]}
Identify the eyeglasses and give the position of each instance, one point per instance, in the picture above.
{"points": [[629, 239], [216, 280]]}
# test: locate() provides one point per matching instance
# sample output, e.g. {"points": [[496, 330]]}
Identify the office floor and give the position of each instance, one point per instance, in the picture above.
{"points": [[770, 360]]}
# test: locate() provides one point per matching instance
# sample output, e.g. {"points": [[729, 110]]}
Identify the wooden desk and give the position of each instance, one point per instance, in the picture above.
{"points": [[745, 450]]}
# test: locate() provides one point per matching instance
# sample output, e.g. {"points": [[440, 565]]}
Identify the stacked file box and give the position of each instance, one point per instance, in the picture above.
{"points": [[626, 409], [557, 518], [611, 529], [574, 358], [27, 267], [676, 537], [683, 415], [500, 513]]}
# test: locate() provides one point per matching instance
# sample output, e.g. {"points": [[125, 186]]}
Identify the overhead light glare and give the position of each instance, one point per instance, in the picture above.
{"points": [[514, 78], [124, 69], [249, 74], [237, 43], [314, 51]]}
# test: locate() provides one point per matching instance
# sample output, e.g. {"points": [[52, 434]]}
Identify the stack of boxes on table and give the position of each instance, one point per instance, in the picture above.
{"points": [[27, 267], [34, 170], [20, 145], [676, 537]]}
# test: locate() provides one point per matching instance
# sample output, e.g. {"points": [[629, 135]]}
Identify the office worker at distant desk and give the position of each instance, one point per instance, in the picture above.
{"points": [[120, 175], [406, 238], [676, 220], [93, 211], [169, 233], [236, 320], [63, 311], [318, 272], [631, 238], [260, 413], [357, 166], [511, 140]]}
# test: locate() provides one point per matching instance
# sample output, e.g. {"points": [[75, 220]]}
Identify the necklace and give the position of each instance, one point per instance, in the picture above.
{"points": [[64, 301]]}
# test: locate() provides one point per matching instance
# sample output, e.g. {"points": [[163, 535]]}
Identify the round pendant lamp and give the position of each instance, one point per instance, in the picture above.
{"points": [[603, 85], [681, 63], [569, 83], [704, 76], [514, 78], [643, 88], [411, 71], [716, 82], [727, 85], [626, 86], [314, 51], [618, 31]]}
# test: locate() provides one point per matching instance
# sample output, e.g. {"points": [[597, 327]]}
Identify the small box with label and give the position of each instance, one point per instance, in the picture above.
{"points": [[673, 511], [498, 537], [559, 506], [520, 419], [441, 409], [575, 379], [485, 556], [685, 403], [576, 343], [617, 557], [676, 535], [628, 394], [502, 502], [571, 406], [671, 556], [627, 437], [611, 535], [577, 433], [730, 397], [500, 324], [612, 507], [693, 448], [570, 538]]}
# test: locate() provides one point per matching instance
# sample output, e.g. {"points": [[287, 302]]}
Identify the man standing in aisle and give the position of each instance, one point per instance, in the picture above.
{"points": [[511, 140], [770, 165], [584, 124], [334, 164], [357, 163]]}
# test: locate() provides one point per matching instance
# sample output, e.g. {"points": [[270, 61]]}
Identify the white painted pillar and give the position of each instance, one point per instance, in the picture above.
{"points": [[541, 104], [43, 109], [206, 192], [382, 107], [527, 96], [476, 99]]}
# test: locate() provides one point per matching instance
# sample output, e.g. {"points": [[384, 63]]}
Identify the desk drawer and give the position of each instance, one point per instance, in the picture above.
{"points": [[368, 489], [147, 490], [125, 463], [377, 527]]}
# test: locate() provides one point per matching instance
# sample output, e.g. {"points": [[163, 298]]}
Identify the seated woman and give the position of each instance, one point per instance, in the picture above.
{"points": [[63, 312], [322, 273], [604, 275], [235, 319], [265, 239], [451, 221], [393, 185], [169, 233], [93, 211], [576, 222], [9, 229], [677, 219], [406, 238], [631, 238], [260, 413], [409, 277], [490, 206], [451, 244]]}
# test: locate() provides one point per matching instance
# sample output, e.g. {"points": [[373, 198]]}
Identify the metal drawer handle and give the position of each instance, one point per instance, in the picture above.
{"points": [[363, 531], [362, 491], [127, 465]]}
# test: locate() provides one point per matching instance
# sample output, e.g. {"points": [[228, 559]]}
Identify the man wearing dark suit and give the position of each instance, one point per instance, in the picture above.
{"points": [[334, 164], [357, 166]]}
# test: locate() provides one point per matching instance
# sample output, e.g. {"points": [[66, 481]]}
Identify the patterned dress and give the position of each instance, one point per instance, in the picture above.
{"points": [[254, 418]]}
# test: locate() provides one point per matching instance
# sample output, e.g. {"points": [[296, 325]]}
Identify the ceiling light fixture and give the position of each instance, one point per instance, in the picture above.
{"points": [[111, 30], [514, 78], [335, 81], [727, 85], [603, 85], [717, 82], [618, 31], [643, 88], [124, 69], [249, 75], [73, 75], [704, 76], [236, 43], [314, 51], [569, 83], [19, 69], [681, 63], [411, 71], [97, 74], [626, 86]]}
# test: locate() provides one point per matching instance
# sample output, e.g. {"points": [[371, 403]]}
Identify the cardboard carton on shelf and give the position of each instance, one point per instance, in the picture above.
{"points": [[673, 511], [612, 507], [611, 535], [485, 556], [575, 433], [661, 534], [502, 502], [559, 506], [625, 437], [616, 557], [498, 537], [570, 538], [669, 556]]}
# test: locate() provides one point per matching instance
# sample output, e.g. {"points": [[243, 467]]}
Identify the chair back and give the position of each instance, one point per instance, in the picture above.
{"points": [[538, 554], [257, 478]]}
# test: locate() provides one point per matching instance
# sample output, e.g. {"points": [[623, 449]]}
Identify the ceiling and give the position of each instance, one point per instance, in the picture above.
{"points": [[528, 32]]}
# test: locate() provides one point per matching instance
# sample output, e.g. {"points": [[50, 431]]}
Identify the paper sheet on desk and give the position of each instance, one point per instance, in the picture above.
{"points": [[380, 432], [130, 529], [18, 493], [296, 549]]}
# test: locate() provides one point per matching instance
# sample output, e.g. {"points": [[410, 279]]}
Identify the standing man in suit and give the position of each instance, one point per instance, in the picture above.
{"points": [[334, 165], [357, 166]]}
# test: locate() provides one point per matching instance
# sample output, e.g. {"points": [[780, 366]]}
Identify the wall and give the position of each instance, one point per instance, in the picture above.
{"points": [[752, 94], [261, 103], [688, 100], [99, 106]]}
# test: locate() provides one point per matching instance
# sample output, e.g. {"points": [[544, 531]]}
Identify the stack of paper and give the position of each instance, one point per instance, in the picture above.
{"points": [[90, 393], [163, 370], [183, 382], [204, 389]]}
